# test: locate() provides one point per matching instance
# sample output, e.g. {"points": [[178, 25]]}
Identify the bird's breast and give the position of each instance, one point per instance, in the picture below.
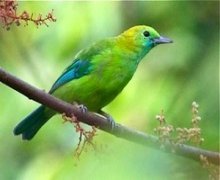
{"points": [[109, 80]]}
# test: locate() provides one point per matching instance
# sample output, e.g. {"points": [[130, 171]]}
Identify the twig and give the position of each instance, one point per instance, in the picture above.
{"points": [[103, 124], [9, 15]]}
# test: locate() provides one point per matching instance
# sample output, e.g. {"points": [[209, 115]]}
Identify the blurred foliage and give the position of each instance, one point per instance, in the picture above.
{"points": [[170, 77]]}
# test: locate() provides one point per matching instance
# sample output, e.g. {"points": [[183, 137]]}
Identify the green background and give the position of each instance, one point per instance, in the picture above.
{"points": [[170, 77]]}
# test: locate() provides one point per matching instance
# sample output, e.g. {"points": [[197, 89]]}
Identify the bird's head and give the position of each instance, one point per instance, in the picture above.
{"points": [[143, 37]]}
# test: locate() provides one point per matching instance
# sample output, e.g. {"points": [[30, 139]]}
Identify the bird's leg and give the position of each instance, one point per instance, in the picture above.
{"points": [[82, 107], [109, 118]]}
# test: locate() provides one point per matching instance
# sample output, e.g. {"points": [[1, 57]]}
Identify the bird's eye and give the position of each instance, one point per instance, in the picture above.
{"points": [[146, 33]]}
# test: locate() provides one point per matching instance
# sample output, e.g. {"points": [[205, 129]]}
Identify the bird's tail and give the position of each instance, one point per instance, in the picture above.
{"points": [[29, 126]]}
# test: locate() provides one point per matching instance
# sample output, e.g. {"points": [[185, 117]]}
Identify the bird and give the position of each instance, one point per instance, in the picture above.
{"points": [[96, 75]]}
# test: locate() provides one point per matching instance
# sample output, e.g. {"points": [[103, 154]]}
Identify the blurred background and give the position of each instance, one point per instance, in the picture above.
{"points": [[170, 77]]}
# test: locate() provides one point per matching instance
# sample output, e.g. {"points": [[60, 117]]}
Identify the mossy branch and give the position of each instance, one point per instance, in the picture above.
{"points": [[100, 122]]}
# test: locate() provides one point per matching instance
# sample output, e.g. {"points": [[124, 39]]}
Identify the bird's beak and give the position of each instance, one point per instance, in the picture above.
{"points": [[162, 40]]}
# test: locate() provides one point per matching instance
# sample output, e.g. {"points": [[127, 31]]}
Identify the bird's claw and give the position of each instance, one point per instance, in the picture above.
{"points": [[82, 108], [109, 119]]}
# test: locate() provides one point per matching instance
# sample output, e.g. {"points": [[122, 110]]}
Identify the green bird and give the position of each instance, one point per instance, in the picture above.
{"points": [[97, 74]]}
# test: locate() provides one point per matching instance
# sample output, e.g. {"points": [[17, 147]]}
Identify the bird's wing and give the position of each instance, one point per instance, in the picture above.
{"points": [[76, 70], [82, 65]]}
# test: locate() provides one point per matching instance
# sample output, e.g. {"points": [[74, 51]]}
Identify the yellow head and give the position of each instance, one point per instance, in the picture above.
{"points": [[144, 37]]}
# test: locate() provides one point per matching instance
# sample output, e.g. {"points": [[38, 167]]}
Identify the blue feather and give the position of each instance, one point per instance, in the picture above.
{"points": [[76, 70]]}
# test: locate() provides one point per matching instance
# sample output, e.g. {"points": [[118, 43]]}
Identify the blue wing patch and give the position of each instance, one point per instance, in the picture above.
{"points": [[76, 70]]}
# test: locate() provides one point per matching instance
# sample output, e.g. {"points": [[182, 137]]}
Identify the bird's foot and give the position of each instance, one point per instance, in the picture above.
{"points": [[109, 118], [82, 108]]}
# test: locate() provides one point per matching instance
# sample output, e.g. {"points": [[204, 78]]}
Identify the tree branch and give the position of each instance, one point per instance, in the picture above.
{"points": [[100, 122]]}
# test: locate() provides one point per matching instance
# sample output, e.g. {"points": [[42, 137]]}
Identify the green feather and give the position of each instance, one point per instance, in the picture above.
{"points": [[97, 75]]}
